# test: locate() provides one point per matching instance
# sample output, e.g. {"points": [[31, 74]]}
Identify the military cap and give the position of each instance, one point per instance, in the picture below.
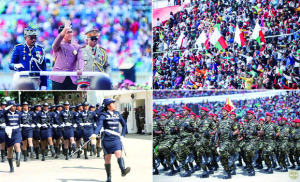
{"points": [[45, 104], [192, 113], [66, 103], [24, 103], [78, 105], [164, 115], [186, 108], [226, 109], [92, 106], [3, 103], [92, 33], [204, 109], [85, 104], [58, 105], [30, 31], [155, 111], [72, 107], [172, 110], [269, 114], [11, 103], [106, 102]]}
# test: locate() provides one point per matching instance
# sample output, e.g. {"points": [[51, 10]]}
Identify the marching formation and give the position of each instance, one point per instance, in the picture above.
{"points": [[42, 128], [180, 140]]}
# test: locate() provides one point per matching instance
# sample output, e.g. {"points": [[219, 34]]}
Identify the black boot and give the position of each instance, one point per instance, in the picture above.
{"points": [[108, 173], [69, 151], [11, 165], [192, 167], [246, 167], [98, 151], [94, 149], [78, 154], [197, 166], [155, 172], [279, 168], [287, 161], [210, 169], [251, 172], [228, 175], [270, 170], [122, 167], [52, 151], [43, 154], [298, 168], [62, 149], [2, 155], [172, 172], [186, 174], [293, 165], [31, 152], [177, 167], [36, 153], [205, 174], [165, 167], [232, 172], [57, 153], [73, 147], [85, 154], [18, 159], [240, 161], [25, 155], [46, 150], [67, 154], [284, 169]]}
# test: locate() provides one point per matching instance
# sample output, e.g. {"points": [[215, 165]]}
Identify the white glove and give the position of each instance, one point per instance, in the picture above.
{"points": [[93, 137], [21, 125], [81, 124], [43, 88], [39, 125], [32, 125], [17, 66], [95, 125], [54, 126], [75, 125], [122, 138], [8, 107], [63, 125]]}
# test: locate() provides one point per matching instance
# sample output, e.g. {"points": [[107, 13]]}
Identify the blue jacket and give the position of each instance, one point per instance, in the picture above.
{"points": [[21, 55], [110, 122]]}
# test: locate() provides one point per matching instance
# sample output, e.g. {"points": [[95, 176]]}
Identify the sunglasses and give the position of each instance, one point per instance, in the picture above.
{"points": [[94, 38], [32, 37]]}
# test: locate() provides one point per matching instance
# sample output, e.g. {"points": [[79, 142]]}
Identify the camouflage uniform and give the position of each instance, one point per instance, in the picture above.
{"points": [[291, 150], [204, 141], [186, 139], [142, 119], [296, 136], [156, 138], [250, 137], [269, 142], [226, 127], [285, 132]]}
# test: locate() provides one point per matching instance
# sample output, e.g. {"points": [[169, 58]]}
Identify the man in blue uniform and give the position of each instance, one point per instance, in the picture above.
{"points": [[29, 57], [27, 133], [78, 133], [36, 130], [57, 122]]}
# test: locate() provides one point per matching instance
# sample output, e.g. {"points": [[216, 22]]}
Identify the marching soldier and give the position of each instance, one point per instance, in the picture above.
{"points": [[250, 130], [292, 147], [95, 57], [2, 133], [78, 133], [29, 57], [13, 133], [43, 120], [226, 130], [68, 131], [203, 137], [27, 132], [156, 140], [296, 137], [215, 153], [87, 127], [57, 125], [270, 131], [285, 134], [36, 130], [260, 146]]}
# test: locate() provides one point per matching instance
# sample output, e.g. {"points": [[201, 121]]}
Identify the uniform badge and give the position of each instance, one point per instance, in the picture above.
{"points": [[75, 52]]}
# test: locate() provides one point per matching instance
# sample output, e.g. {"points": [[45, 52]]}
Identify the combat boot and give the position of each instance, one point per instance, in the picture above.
{"points": [[197, 166], [227, 176], [43, 154], [279, 168], [108, 172], [98, 151], [177, 167], [251, 173], [287, 161], [36, 153], [293, 165], [186, 174], [172, 172], [240, 161], [155, 172], [270, 170], [165, 167], [85, 154], [25, 155], [205, 174], [78, 154], [57, 153], [11, 165], [284, 169], [192, 167], [31, 152], [2, 155], [66, 153], [124, 170], [210, 169]]}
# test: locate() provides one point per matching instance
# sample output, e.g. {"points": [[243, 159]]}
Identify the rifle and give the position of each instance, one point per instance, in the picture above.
{"points": [[179, 126]]}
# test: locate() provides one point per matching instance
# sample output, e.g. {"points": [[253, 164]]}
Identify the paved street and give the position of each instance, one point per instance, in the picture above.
{"points": [[138, 149], [241, 176]]}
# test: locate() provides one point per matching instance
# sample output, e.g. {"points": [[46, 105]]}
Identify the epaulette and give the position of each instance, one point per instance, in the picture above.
{"points": [[18, 45], [102, 48], [41, 46], [83, 46]]}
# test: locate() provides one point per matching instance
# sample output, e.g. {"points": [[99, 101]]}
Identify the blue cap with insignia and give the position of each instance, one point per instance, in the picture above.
{"points": [[30, 31]]}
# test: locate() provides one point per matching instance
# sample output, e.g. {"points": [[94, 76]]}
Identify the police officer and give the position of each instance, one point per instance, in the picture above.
{"points": [[29, 57], [203, 136], [36, 130], [2, 132], [43, 120], [227, 128], [87, 127], [98, 112], [57, 125], [68, 130], [19, 108], [112, 140], [78, 133], [95, 58], [13, 133], [27, 132]]}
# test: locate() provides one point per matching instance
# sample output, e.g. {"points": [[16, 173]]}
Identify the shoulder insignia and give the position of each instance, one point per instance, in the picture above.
{"points": [[102, 48], [18, 45], [41, 46], [83, 47]]}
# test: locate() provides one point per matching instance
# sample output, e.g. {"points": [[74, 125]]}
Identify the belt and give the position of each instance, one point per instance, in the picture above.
{"points": [[44, 125], [25, 125], [8, 130], [112, 132], [68, 124], [85, 124], [56, 126]]}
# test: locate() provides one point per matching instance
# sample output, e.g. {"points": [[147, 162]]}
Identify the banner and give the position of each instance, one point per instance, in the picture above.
{"points": [[163, 13]]}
